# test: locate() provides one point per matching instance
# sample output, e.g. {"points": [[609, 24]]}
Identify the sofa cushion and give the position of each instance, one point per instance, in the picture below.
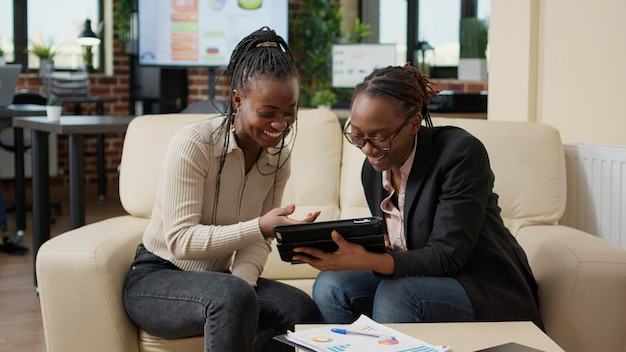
{"points": [[315, 165], [352, 196], [529, 165], [150, 343], [313, 184], [145, 143]]}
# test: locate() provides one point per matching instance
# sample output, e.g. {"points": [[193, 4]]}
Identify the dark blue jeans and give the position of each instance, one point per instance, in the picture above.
{"points": [[233, 316], [343, 296]]}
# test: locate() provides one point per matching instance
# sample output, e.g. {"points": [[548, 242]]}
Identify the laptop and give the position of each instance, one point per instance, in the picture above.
{"points": [[8, 81]]}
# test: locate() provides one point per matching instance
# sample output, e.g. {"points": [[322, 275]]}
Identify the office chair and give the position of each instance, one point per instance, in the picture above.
{"points": [[25, 97], [66, 84], [22, 97]]}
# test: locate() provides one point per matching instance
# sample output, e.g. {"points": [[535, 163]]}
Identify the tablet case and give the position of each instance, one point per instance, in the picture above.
{"points": [[367, 232]]}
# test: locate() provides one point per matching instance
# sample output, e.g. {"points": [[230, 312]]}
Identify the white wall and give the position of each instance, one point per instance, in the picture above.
{"points": [[512, 61], [563, 63]]}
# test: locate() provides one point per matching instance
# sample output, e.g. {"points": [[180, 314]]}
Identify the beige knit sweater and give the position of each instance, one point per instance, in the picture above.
{"points": [[181, 230]]}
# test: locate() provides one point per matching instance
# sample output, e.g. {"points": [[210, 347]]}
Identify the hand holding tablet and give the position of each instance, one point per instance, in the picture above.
{"points": [[367, 232]]}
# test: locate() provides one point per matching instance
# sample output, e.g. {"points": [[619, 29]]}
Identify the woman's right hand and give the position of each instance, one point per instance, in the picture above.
{"points": [[280, 216]]}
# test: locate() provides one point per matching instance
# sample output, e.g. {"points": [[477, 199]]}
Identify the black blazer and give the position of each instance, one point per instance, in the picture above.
{"points": [[453, 226]]}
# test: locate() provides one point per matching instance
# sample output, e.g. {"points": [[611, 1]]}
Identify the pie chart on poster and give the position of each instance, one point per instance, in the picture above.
{"points": [[321, 339], [388, 342]]}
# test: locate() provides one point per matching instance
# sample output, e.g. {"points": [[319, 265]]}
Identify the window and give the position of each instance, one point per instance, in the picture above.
{"points": [[435, 22], [438, 25], [439, 22], [393, 27], [6, 30], [57, 25]]}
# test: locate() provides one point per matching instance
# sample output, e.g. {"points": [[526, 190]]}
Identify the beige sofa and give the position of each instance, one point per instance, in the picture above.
{"points": [[582, 279]]}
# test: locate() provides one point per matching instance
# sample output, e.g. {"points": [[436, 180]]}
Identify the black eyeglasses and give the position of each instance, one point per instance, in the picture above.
{"points": [[380, 143]]}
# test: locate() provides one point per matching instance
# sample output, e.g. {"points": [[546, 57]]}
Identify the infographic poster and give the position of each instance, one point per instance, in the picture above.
{"points": [[353, 62], [202, 32]]}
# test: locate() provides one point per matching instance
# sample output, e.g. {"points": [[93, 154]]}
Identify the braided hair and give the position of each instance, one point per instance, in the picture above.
{"points": [[261, 54], [408, 88]]}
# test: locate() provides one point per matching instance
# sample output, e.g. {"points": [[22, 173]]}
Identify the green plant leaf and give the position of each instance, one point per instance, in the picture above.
{"points": [[324, 97], [473, 38], [54, 101], [43, 51], [312, 34], [121, 18]]}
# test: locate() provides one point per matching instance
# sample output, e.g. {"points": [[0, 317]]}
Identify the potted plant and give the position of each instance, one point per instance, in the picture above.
{"points": [[124, 15], [42, 51], [88, 57], [46, 54], [313, 32], [473, 49], [54, 108], [324, 98]]}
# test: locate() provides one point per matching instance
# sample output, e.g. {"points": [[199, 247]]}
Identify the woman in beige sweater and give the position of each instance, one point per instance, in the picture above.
{"points": [[197, 271]]}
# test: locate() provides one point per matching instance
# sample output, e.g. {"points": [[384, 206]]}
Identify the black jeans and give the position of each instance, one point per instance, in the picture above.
{"points": [[233, 316]]}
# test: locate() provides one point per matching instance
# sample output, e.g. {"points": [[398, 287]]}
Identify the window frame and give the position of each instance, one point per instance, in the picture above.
{"points": [[469, 8], [20, 37]]}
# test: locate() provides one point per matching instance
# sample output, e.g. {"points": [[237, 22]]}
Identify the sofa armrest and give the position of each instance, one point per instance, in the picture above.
{"points": [[582, 287], [80, 276]]}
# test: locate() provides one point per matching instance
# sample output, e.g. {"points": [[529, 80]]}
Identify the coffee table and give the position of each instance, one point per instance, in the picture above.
{"points": [[470, 337]]}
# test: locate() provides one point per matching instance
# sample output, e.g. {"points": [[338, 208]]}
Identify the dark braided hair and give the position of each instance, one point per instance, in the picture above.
{"points": [[261, 54], [408, 89]]}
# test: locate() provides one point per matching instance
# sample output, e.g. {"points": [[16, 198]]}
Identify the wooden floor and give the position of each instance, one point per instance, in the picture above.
{"points": [[20, 316]]}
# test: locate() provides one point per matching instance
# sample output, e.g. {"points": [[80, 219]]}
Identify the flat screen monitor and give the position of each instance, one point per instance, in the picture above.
{"points": [[353, 62], [187, 33]]}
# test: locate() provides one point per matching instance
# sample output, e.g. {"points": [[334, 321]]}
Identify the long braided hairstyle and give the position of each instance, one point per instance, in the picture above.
{"points": [[261, 54], [408, 88]]}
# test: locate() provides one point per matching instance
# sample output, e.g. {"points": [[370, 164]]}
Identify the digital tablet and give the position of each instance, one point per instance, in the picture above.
{"points": [[367, 232]]}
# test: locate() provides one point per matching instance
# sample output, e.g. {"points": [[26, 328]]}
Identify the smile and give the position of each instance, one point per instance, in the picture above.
{"points": [[376, 160], [273, 135]]}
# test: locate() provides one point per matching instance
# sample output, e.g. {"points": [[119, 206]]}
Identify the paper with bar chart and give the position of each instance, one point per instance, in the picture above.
{"points": [[362, 335]]}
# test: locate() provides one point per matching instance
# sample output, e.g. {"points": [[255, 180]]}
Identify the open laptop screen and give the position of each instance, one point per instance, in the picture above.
{"points": [[9, 75]]}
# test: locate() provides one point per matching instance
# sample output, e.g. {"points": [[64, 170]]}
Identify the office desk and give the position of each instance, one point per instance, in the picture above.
{"points": [[76, 127], [99, 101], [8, 112]]}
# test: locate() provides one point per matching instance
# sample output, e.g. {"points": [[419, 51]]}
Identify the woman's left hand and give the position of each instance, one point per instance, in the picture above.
{"points": [[349, 256]]}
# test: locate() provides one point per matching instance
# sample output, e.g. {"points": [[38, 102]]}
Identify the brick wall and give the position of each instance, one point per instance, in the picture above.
{"points": [[118, 88]]}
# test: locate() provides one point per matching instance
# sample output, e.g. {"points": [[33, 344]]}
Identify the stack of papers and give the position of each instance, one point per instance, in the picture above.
{"points": [[362, 335]]}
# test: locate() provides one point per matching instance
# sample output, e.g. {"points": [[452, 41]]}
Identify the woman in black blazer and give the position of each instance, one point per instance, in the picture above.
{"points": [[450, 256]]}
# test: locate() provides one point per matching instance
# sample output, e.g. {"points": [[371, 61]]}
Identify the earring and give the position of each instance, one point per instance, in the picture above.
{"points": [[232, 126]]}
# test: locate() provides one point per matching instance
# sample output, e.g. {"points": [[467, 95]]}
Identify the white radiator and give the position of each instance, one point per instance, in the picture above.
{"points": [[7, 162], [596, 190]]}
